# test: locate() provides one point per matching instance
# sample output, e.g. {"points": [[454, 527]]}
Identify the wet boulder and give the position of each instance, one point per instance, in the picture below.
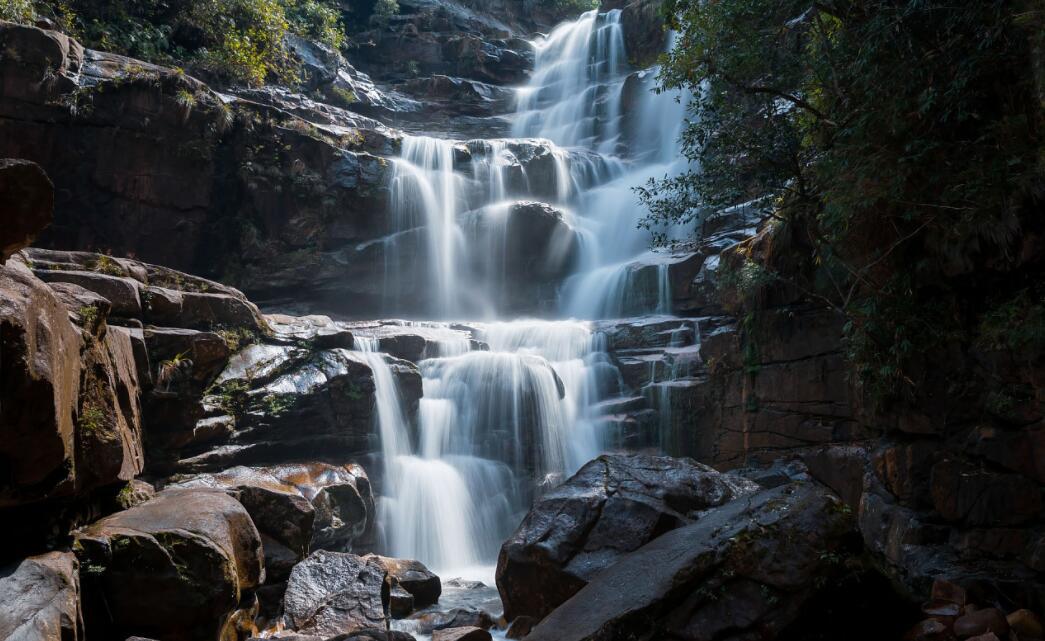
{"points": [[468, 617], [461, 634], [298, 507], [173, 567], [27, 200], [41, 599], [295, 402], [332, 593], [742, 571], [416, 579], [39, 368], [612, 506]]}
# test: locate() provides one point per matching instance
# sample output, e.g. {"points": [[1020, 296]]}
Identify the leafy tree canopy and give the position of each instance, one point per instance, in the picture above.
{"points": [[900, 142]]}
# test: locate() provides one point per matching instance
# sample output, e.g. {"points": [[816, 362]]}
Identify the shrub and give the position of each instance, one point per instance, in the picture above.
{"points": [[22, 11], [243, 41]]}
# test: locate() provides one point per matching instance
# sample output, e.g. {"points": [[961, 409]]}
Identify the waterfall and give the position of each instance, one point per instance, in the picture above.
{"points": [[577, 67], [508, 407]]}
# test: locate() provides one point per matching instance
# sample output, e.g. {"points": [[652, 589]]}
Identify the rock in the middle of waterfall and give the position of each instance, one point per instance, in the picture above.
{"points": [[615, 504]]}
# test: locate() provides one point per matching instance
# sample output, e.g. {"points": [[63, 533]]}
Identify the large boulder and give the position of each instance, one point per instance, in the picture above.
{"points": [[296, 402], [173, 567], [742, 571], [41, 599], [298, 507], [27, 200], [612, 506], [40, 368], [332, 593]]}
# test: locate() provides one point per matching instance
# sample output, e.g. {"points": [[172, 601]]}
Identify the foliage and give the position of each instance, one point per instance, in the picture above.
{"points": [[90, 318], [901, 139], [17, 10], [240, 40], [169, 369], [91, 419], [1017, 324], [232, 397], [383, 10], [237, 337], [106, 265], [569, 7]]}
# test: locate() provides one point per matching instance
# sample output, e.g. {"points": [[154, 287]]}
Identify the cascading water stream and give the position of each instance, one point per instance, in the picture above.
{"points": [[510, 411]]}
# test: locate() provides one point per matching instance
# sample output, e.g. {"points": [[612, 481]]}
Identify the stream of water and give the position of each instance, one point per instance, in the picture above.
{"points": [[497, 424]]}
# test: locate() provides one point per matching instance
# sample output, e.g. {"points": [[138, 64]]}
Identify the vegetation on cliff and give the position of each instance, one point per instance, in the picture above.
{"points": [[242, 41], [900, 144]]}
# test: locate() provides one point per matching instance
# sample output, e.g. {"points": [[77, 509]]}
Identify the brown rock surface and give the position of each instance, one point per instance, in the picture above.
{"points": [[40, 599], [173, 567], [27, 202]]}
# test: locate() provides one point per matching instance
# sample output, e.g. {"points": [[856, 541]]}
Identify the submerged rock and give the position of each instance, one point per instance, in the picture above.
{"points": [[41, 599], [173, 567], [612, 506], [742, 571], [332, 593]]}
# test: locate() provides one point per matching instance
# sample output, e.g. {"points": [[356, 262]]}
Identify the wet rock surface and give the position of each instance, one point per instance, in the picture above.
{"points": [[612, 506], [332, 593], [41, 599], [745, 566], [173, 567], [299, 508]]}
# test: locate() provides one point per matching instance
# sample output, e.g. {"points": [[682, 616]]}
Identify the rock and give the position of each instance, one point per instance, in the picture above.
{"points": [[40, 366], [374, 634], [948, 592], [928, 630], [989, 636], [205, 311], [400, 602], [27, 200], [429, 622], [41, 599], [1025, 624], [173, 567], [123, 293], [612, 506], [301, 507], [293, 403], [981, 622], [743, 570], [204, 355], [520, 627], [461, 634], [963, 492], [320, 331], [414, 577], [332, 593]]}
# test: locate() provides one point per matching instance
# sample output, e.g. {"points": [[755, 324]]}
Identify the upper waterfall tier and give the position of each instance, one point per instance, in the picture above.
{"points": [[469, 235]]}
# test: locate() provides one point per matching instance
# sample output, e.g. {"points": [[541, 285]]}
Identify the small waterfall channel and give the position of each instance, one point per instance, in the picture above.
{"points": [[509, 406]]}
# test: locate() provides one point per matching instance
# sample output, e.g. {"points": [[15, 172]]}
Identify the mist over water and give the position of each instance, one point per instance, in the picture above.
{"points": [[505, 417]]}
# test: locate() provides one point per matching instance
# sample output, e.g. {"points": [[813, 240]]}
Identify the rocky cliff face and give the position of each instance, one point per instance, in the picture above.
{"points": [[946, 485]]}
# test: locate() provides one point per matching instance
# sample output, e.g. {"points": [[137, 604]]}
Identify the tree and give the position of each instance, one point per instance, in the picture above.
{"points": [[899, 140]]}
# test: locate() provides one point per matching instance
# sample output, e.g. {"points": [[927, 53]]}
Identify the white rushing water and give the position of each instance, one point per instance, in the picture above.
{"points": [[503, 418]]}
